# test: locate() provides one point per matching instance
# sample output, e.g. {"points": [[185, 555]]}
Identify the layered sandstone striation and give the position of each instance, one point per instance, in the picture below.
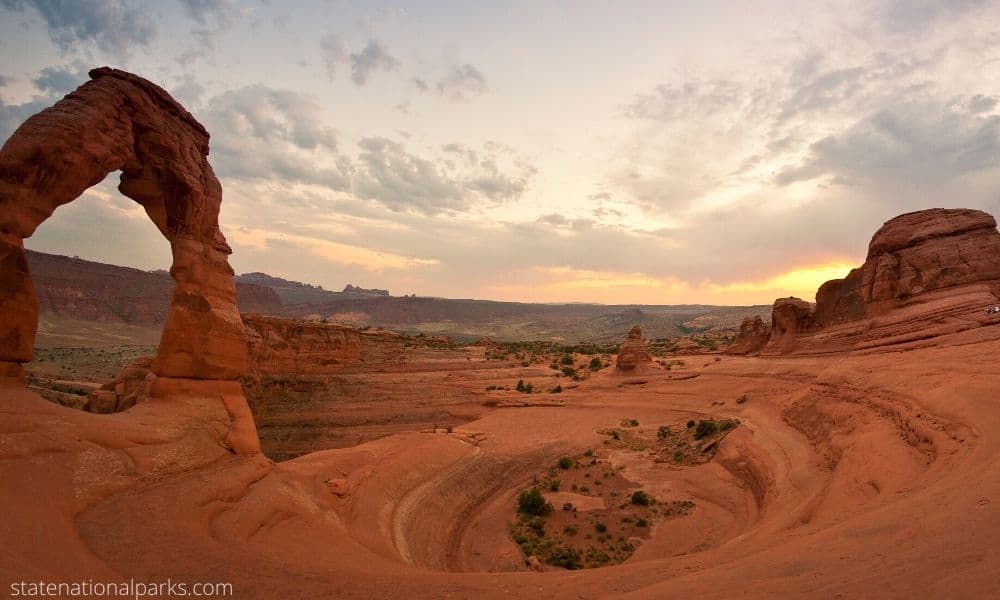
{"points": [[633, 353], [927, 273], [752, 337]]}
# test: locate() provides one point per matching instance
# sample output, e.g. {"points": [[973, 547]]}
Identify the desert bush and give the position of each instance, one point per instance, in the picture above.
{"points": [[595, 364], [568, 371], [690, 424], [532, 502], [600, 527], [663, 431], [556, 390], [640, 498], [565, 463], [563, 556], [567, 359], [705, 428]]}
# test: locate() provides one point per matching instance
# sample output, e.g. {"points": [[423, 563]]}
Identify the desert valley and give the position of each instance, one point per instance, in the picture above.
{"points": [[275, 439]]}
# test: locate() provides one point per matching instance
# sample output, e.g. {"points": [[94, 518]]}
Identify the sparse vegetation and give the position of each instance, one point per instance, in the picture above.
{"points": [[565, 463], [532, 502]]}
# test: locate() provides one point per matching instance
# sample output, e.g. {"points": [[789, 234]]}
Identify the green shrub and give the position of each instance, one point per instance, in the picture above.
{"points": [[600, 527], [690, 424], [557, 389], [568, 507], [705, 428], [569, 530], [537, 525], [595, 364], [663, 432], [567, 359], [565, 463], [641, 523], [640, 498], [588, 453], [520, 385], [532, 502], [568, 371], [563, 556], [553, 485]]}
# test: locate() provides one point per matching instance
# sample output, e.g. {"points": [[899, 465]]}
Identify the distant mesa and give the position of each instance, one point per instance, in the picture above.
{"points": [[351, 289], [633, 352]]}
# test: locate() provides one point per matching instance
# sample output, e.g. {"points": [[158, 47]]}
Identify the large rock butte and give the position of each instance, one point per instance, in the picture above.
{"points": [[926, 273]]}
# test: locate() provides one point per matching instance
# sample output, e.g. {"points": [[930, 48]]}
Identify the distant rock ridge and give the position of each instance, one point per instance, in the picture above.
{"points": [[352, 289], [940, 265], [94, 291]]}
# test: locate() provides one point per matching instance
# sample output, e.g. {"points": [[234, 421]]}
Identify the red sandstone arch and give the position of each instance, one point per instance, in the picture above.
{"points": [[118, 121]]}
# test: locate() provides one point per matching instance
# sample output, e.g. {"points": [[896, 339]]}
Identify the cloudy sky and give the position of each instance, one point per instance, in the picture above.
{"points": [[641, 152]]}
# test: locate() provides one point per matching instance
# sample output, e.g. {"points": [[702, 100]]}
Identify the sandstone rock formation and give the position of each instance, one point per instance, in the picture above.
{"points": [[633, 352], [133, 385], [789, 317], [752, 337], [912, 254], [118, 121], [927, 273], [289, 347], [121, 122]]}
